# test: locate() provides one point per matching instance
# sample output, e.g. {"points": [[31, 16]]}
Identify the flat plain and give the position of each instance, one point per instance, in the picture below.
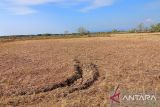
{"points": [[79, 72]]}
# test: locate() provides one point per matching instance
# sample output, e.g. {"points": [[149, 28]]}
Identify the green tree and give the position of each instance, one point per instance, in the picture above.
{"points": [[66, 32], [82, 30], [141, 27], [155, 28], [115, 31]]}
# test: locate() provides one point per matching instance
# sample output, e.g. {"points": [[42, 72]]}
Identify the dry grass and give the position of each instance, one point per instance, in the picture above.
{"points": [[31, 65]]}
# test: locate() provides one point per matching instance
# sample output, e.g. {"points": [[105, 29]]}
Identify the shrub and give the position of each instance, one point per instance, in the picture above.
{"points": [[155, 28], [83, 31]]}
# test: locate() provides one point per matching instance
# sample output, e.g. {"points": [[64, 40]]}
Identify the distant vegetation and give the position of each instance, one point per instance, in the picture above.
{"points": [[83, 32], [155, 28], [141, 28]]}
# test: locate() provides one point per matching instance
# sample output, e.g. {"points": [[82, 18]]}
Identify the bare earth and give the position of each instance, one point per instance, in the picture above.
{"points": [[80, 72]]}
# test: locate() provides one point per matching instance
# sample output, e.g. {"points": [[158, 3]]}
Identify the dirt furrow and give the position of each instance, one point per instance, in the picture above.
{"points": [[90, 75], [87, 73]]}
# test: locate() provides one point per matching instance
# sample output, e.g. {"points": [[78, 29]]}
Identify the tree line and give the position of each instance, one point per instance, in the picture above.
{"points": [[139, 29], [142, 28]]}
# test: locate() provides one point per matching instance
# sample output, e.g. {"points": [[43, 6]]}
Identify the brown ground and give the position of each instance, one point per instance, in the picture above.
{"points": [[78, 72]]}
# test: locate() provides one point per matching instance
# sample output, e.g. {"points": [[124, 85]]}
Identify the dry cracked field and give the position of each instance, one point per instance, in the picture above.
{"points": [[79, 72]]}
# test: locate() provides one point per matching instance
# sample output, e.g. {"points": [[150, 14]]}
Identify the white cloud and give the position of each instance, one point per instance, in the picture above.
{"points": [[148, 20], [27, 6], [97, 4], [21, 10]]}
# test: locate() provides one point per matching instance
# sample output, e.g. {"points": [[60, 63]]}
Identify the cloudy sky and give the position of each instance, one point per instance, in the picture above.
{"points": [[57, 16]]}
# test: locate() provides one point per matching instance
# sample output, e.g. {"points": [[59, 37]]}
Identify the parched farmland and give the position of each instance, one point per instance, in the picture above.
{"points": [[79, 72]]}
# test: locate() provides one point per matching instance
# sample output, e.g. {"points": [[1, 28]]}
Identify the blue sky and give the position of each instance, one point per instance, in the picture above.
{"points": [[57, 16]]}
